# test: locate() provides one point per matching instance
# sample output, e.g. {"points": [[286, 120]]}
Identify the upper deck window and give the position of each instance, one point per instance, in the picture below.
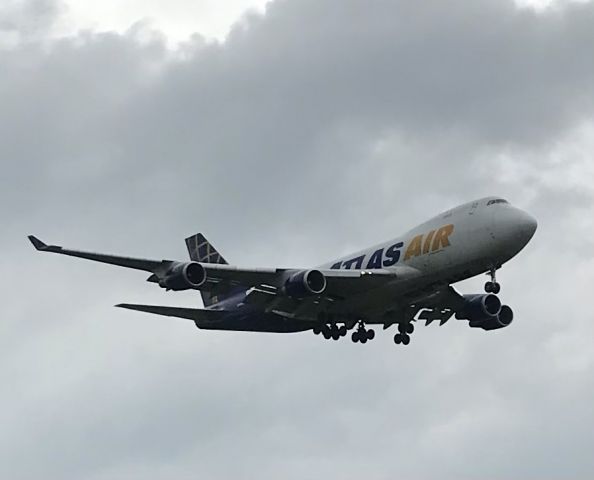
{"points": [[498, 200]]}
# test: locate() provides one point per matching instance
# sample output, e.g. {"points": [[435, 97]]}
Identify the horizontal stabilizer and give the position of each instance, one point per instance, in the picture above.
{"points": [[38, 244], [194, 314]]}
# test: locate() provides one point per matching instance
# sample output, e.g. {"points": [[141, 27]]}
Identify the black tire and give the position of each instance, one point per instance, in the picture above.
{"points": [[410, 328], [317, 330], [342, 330], [363, 339], [405, 339], [370, 334], [489, 287], [355, 337], [398, 338], [327, 334], [496, 288]]}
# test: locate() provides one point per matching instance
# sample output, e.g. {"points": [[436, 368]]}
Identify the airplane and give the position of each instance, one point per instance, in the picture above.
{"points": [[399, 282]]}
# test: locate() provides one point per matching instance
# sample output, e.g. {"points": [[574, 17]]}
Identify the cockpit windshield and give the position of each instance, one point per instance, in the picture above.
{"points": [[497, 200]]}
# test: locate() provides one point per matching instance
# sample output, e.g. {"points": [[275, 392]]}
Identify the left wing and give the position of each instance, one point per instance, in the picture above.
{"points": [[154, 266], [221, 277]]}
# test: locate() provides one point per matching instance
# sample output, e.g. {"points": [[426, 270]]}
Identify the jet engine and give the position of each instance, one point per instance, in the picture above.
{"points": [[183, 276], [485, 311], [305, 283]]}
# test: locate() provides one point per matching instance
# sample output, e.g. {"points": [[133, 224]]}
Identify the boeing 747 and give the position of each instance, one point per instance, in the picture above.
{"points": [[399, 282]]}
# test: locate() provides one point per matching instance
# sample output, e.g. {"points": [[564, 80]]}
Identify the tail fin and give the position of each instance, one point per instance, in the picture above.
{"points": [[201, 250]]}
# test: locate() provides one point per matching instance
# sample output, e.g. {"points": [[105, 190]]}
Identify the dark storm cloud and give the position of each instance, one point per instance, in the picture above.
{"points": [[314, 129]]}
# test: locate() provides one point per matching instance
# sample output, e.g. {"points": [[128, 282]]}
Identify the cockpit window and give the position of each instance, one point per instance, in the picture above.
{"points": [[498, 200]]}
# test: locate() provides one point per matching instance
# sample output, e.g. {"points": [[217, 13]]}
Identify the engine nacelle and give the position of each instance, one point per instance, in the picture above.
{"points": [[184, 276], [485, 311], [305, 283], [479, 306], [502, 319]]}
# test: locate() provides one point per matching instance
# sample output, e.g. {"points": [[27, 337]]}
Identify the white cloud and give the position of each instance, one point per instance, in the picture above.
{"points": [[177, 19]]}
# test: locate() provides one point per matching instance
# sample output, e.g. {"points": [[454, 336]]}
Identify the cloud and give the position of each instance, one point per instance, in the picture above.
{"points": [[314, 129]]}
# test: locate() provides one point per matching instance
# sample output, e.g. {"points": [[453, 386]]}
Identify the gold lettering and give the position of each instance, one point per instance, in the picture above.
{"points": [[427, 244], [414, 247], [441, 239]]}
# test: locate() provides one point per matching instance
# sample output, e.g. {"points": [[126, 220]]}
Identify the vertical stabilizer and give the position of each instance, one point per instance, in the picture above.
{"points": [[202, 251]]}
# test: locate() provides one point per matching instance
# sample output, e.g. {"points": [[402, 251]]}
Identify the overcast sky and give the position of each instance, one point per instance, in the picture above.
{"points": [[290, 135]]}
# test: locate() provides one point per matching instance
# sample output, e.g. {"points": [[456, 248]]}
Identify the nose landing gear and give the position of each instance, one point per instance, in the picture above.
{"points": [[492, 286]]}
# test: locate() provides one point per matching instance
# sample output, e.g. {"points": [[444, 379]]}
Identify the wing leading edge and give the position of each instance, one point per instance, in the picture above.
{"points": [[153, 266]]}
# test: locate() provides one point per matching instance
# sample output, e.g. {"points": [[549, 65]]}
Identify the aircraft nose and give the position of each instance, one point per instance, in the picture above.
{"points": [[528, 225], [516, 225]]}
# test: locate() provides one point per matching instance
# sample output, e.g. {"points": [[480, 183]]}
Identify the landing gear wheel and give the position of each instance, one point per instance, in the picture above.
{"points": [[363, 339], [410, 328], [317, 330], [370, 334], [326, 332], [335, 332], [405, 339], [492, 287], [342, 330], [398, 338], [355, 337]]}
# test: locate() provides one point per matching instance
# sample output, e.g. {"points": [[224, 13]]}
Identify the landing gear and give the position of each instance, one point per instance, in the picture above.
{"points": [[401, 338], [404, 332], [362, 334], [492, 286], [331, 331]]}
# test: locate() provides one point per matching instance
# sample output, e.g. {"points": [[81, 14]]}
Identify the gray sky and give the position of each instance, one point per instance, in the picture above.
{"points": [[309, 129]]}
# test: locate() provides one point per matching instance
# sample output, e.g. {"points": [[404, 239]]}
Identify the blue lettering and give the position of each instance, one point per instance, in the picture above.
{"points": [[375, 261], [393, 254], [358, 262], [336, 266]]}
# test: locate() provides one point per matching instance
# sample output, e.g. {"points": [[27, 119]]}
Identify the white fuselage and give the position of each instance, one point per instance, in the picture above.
{"points": [[457, 244]]}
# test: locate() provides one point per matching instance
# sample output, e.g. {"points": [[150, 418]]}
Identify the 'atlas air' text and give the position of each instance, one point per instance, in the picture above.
{"points": [[431, 242]]}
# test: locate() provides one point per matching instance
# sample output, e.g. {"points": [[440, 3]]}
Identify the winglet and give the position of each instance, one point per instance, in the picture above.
{"points": [[38, 244]]}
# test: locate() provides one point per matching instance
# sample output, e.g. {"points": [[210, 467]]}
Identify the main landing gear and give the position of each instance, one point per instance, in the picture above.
{"points": [[404, 332], [331, 331], [334, 332], [362, 334], [492, 286]]}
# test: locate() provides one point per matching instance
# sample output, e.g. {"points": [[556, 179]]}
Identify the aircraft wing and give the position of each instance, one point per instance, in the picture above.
{"points": [[153, 266], [339, 282], [222, 277], [440, 305]]}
